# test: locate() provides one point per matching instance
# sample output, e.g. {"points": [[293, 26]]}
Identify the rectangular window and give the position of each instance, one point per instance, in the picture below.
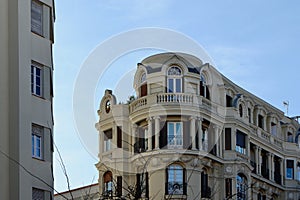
{"points": [[142, 184], [119, 137], [260, 121], [107, 139], [175, 135], [119, 186], [37, 17], [228, 101], [228, 188], [227, 138], [37, 194], [174, 85], [273, 129], [37, 142], [289, 169], [298, 171], [240, 142], [205, 190], [249, 115], [36, 79]]}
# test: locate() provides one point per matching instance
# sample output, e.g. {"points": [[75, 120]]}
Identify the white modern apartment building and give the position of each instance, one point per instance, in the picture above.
{"points": [[191, 133], [26, 88]]}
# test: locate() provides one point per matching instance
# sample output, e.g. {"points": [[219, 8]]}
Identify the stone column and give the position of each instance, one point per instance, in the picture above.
{"points": [[157, 130], [101, 146], [272, 167], [133, 136], [216, 139], [193, 132], [281, 170], [200, 133], [259, 161], [149, 133], [256, 149], [269, 164]]}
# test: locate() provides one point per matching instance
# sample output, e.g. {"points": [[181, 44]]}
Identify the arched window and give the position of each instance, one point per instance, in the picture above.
{"points": [[241, 187], [175, 179], [203, 87], [108, 183], [143, 85], [174, 80]]}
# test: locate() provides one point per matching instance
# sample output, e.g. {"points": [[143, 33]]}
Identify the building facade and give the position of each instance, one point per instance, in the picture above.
{"points": [[191, 133], [26, 125]]}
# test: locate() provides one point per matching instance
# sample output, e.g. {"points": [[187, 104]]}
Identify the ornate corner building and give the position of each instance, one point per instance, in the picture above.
{"points": [[26, 101], [191, 133]]}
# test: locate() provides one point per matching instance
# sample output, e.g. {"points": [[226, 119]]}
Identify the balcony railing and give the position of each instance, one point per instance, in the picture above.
{"points": [[174, 188], [175, 142], [174, 97], [170, 98]]}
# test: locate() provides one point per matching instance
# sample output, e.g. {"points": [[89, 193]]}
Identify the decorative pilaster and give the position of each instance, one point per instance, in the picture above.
{"points": [[272, 167], [256, 150], [157, 130], [193, 132], [281, 170], [133, 136], [200, 133], [149, 133], [216, 139], [269, 164]]}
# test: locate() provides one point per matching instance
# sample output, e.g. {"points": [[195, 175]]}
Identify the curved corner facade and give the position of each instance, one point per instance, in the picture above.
{"points": [[191, 133], [26, 76]]}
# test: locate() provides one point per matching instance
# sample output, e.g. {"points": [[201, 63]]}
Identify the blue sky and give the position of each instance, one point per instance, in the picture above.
{"points": [[253, 43]]}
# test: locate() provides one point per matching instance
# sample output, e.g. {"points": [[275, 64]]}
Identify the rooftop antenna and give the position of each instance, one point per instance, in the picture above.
{"points": [[286, 105]]}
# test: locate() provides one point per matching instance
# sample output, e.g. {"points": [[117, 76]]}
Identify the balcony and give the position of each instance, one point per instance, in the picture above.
{"points": [[172, 99]]}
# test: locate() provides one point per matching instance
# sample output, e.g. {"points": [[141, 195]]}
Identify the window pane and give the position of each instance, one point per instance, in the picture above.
{"points": [[178, 85], [36, 17], [170, 85]]}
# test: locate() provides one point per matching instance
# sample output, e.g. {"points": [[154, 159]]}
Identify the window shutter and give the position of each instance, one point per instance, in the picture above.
{"points": [[36, 17], [46, 83]]}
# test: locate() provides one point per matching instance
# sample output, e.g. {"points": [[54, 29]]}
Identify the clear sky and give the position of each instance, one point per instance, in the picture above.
{"points": [[254, 43]]}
